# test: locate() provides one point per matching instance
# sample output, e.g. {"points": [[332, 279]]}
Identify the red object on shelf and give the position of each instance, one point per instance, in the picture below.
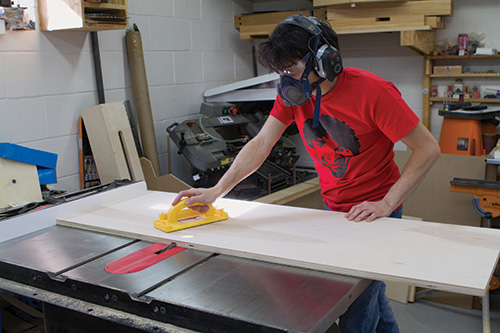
{"points": [[462, 44]]}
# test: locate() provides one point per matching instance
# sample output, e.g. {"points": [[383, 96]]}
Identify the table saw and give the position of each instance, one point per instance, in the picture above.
{"points": [[66, 268], [266, 268]]}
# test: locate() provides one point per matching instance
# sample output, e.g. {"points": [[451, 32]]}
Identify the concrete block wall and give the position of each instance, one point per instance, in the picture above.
{"points": [[47, 78]]}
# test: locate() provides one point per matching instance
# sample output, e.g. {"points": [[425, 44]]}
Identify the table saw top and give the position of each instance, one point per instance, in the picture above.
{"points": [[194, 289]]}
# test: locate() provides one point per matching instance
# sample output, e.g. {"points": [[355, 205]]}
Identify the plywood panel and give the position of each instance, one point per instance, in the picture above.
{"points": [[112, 142], [433, 201], [19, 183], [440, 256]]}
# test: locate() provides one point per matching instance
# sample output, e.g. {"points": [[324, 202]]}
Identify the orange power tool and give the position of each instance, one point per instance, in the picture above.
{"points": [[486, 202]]}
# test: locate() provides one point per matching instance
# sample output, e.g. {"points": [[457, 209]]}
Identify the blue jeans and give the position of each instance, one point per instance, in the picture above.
{"points": [[371, 311]]}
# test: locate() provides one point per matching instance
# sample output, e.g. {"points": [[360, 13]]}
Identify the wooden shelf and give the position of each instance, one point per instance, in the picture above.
{"points": [[472, 100], [81, 15], [415, 20], [465, 57], [466, 75], [429, 63], [103, 5], [119, 5]]}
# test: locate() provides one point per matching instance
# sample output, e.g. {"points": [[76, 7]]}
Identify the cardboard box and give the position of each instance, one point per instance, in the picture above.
{"points": [[448, 69], [485, 51]]}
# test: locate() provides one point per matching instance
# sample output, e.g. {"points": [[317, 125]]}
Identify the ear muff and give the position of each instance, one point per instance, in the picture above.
{"points": [[327, 59], [328, 62]]}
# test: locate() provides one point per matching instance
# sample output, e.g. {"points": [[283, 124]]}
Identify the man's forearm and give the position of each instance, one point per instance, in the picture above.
{"points": [[246, 162], [249, 159], [413, 174], [425, 152]]}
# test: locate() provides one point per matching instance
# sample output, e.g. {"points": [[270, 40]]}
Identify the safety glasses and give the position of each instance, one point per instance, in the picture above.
{"points": [[294, 69]]}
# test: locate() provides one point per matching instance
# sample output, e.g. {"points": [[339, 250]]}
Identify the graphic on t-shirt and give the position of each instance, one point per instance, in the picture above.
{"points": [[334, 143]]}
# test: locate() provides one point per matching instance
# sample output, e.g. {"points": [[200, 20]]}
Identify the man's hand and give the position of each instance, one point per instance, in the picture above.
{"points": [[197, 195], [369, 211]]}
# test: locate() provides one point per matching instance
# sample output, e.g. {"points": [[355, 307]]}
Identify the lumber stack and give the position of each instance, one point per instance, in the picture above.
{"points": [[415, 19]]}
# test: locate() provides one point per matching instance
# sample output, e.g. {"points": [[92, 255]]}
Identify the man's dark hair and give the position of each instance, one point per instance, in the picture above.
{"points": [[289, 43]]}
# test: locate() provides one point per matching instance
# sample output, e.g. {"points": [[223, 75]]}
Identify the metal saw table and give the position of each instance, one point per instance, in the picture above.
{"points": [[190, 290]]}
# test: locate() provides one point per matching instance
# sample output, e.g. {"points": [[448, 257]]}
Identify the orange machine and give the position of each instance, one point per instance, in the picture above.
{"points": [[462, 132], [486, 202]]}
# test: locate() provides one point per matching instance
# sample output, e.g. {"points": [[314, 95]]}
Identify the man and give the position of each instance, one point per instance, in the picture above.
{"points": [[349, 120]]}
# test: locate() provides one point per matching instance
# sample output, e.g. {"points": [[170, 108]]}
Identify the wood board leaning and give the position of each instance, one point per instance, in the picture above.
{"points": [[439, 256]]}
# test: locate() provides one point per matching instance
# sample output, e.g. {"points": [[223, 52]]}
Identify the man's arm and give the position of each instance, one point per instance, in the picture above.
{"points": [[249, 159], [425, 152]]}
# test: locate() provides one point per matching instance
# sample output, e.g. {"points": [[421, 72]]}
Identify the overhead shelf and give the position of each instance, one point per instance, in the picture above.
{"points": [[83, 15], [416, 20]]}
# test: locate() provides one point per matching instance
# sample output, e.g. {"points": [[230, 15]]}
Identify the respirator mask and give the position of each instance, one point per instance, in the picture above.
{"points": [[292, 91], [298, 92]]}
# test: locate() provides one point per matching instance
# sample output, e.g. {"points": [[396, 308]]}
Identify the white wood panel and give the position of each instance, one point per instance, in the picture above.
{"points": [[42, 218], [440, 256]]}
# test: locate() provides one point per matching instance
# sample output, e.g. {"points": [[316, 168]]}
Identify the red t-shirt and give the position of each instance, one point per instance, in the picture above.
{"points": [[360, 120]]}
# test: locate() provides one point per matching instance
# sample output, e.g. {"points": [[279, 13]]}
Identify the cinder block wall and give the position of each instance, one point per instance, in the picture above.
{"points": [[47, 78]]}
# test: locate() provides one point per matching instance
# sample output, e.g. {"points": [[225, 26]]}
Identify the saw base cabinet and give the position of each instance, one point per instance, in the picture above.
{"points": [[83, 15]]}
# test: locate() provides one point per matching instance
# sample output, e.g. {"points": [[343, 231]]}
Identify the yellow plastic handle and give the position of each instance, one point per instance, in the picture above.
{"points": [[173, 211]]}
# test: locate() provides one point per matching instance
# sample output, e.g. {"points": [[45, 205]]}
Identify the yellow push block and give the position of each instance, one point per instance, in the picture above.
{"points": [[181, 217]]}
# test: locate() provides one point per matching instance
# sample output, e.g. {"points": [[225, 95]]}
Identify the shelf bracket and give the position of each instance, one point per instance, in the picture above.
{"points": [[421, 42]]}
